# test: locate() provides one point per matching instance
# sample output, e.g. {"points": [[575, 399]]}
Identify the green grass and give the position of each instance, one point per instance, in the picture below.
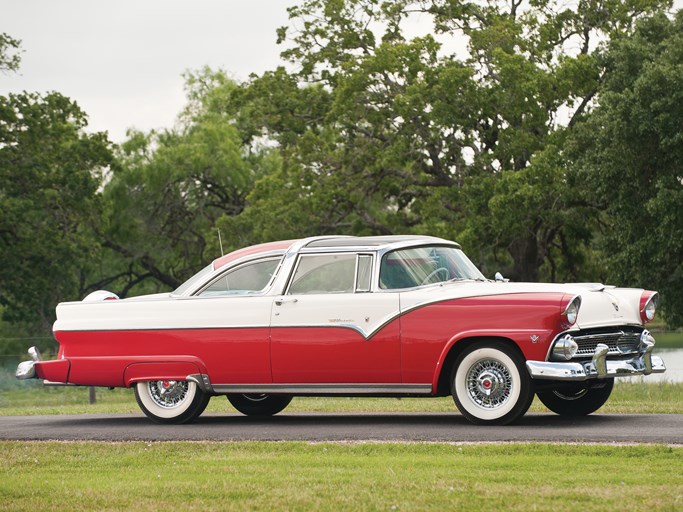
{"points": [[627, 397], [669, 339], [337, 476]]}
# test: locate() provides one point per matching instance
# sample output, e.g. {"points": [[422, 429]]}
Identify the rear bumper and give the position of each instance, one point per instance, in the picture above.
{"points": [[54, 372], [599, 367], [27, 369]]}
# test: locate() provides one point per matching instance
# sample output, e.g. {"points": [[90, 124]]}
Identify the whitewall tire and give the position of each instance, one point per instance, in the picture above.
{"points": [[490, 384], [171, 401]]}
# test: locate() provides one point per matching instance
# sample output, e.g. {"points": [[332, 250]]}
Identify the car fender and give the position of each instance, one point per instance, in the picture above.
{"points": [[166, 369], [521, 338]]}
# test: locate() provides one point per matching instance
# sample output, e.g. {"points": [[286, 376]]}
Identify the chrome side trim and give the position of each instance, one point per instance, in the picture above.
{"points": [[57, 384], [642, 365], [325, 389]]}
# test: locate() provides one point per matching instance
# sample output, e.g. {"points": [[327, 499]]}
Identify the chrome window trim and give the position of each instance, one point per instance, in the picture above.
{"points": [[300, 256], [234, 268], [216, 272]]}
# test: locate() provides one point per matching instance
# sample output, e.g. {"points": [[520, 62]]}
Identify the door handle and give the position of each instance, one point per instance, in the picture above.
{"points": [[282, 300]]}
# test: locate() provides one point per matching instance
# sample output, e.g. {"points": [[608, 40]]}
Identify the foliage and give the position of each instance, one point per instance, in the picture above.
{"points": [[10, 57], [50, 171], [629, 154], [416, 138], [169, 189]]}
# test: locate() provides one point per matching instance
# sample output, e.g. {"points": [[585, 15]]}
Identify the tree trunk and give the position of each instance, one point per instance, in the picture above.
{"points": [[524, 252]]}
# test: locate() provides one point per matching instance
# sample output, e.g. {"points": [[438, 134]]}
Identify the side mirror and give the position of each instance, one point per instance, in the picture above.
{"points": [[500, 279]]}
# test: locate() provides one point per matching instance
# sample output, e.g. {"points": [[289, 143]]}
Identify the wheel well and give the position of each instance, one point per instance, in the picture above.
{"points": [[443, 387]]}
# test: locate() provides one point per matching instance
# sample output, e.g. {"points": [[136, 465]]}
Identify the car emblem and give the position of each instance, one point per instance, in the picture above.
{"points": [[616, 306], [534, 338]]}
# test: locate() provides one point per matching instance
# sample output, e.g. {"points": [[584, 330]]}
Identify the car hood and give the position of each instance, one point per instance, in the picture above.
{"points": [[601, 305]]}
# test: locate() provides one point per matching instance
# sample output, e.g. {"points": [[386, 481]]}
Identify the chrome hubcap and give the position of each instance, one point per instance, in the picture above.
{"points": [[168, 393], [489, 383]]}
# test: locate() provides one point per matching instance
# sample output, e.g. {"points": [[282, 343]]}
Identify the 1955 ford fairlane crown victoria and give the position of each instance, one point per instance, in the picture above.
{"points": [[398, 316]]}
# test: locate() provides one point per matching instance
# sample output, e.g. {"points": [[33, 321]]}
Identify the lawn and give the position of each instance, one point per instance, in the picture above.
{"points": [[337, 476], [33, 398]]}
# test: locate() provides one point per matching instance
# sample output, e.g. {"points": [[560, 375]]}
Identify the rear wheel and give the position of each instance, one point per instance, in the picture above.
{"points": [[578, 400], [259, 405], [490, 384], [171, 401]]}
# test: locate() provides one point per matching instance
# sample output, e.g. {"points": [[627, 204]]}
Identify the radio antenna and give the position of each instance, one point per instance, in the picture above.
{"points": [[220, 242]]}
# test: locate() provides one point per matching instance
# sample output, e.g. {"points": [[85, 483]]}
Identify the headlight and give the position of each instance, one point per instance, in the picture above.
{"points": [[649, 309], [571, 312]]}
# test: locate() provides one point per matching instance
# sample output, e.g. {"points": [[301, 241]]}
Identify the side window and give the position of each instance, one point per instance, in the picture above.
{"points": [[410, 268], [324, 273], [249, 278], [364, 273]]}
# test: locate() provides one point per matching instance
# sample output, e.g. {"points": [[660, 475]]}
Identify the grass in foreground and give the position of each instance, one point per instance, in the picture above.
{"points": [[632, 397], [361, 476]]}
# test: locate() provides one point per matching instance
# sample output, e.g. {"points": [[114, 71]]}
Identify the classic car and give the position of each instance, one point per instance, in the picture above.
{"points": [[388, 316]]}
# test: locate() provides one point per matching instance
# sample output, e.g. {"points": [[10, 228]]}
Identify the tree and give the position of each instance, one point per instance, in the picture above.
{"points": [[412, 137], [50, 171], [169, 189], [10, 57], [627, 155]]}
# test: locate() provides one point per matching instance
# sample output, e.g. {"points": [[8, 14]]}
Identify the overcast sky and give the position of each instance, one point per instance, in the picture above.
{"points": [[122, 60]]}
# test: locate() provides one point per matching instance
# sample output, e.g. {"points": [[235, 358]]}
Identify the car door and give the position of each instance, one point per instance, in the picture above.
{"points": [[330, 328], [236, 350]]}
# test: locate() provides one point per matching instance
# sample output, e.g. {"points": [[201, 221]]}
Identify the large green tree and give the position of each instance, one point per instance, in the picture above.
{"points": [[454, 131], [50, 171], [169, 188], [628, 161]]}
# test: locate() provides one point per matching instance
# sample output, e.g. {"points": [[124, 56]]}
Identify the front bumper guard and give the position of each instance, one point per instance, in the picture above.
{"points": [[599, 367]]}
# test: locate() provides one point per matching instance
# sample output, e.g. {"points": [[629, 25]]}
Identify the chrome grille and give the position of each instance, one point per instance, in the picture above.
{"points": [[619, 342]]}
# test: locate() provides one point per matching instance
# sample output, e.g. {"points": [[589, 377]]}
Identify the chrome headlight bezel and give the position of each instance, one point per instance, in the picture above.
{"points": [[571, 312], [649, 310]]}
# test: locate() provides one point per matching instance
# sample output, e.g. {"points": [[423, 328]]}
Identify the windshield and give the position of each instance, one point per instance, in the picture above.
{"points": [[409, 268], [193, 281]]}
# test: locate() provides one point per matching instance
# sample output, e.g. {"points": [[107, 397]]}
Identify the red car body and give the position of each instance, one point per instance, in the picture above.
{"points": [[375, 316]]}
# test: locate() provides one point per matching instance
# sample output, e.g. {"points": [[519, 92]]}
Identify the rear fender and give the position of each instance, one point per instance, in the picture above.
{"points": [[53, 371], [161, 370]]}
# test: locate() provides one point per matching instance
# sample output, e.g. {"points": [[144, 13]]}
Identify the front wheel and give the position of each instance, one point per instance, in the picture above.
{"points": [[490, 384], [171, 401], [578, 400], [259, 405]]}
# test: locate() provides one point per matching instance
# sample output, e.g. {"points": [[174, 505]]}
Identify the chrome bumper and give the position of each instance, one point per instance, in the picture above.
{"points": [[598, 367], [26, 369]]}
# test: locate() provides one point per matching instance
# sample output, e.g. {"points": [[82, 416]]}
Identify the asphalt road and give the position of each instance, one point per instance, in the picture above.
{"points": [[445, 427]]}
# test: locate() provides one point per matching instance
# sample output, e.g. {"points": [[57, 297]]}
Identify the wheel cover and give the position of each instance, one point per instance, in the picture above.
{"points": [[168, 393], [489, 383]]}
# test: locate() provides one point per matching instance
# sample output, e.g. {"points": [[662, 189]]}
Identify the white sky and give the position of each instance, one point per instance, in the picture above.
{"points": [[122, 60]]}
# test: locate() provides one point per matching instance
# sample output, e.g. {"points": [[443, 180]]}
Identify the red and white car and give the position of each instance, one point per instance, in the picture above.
{"points": [[399, 316]]}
